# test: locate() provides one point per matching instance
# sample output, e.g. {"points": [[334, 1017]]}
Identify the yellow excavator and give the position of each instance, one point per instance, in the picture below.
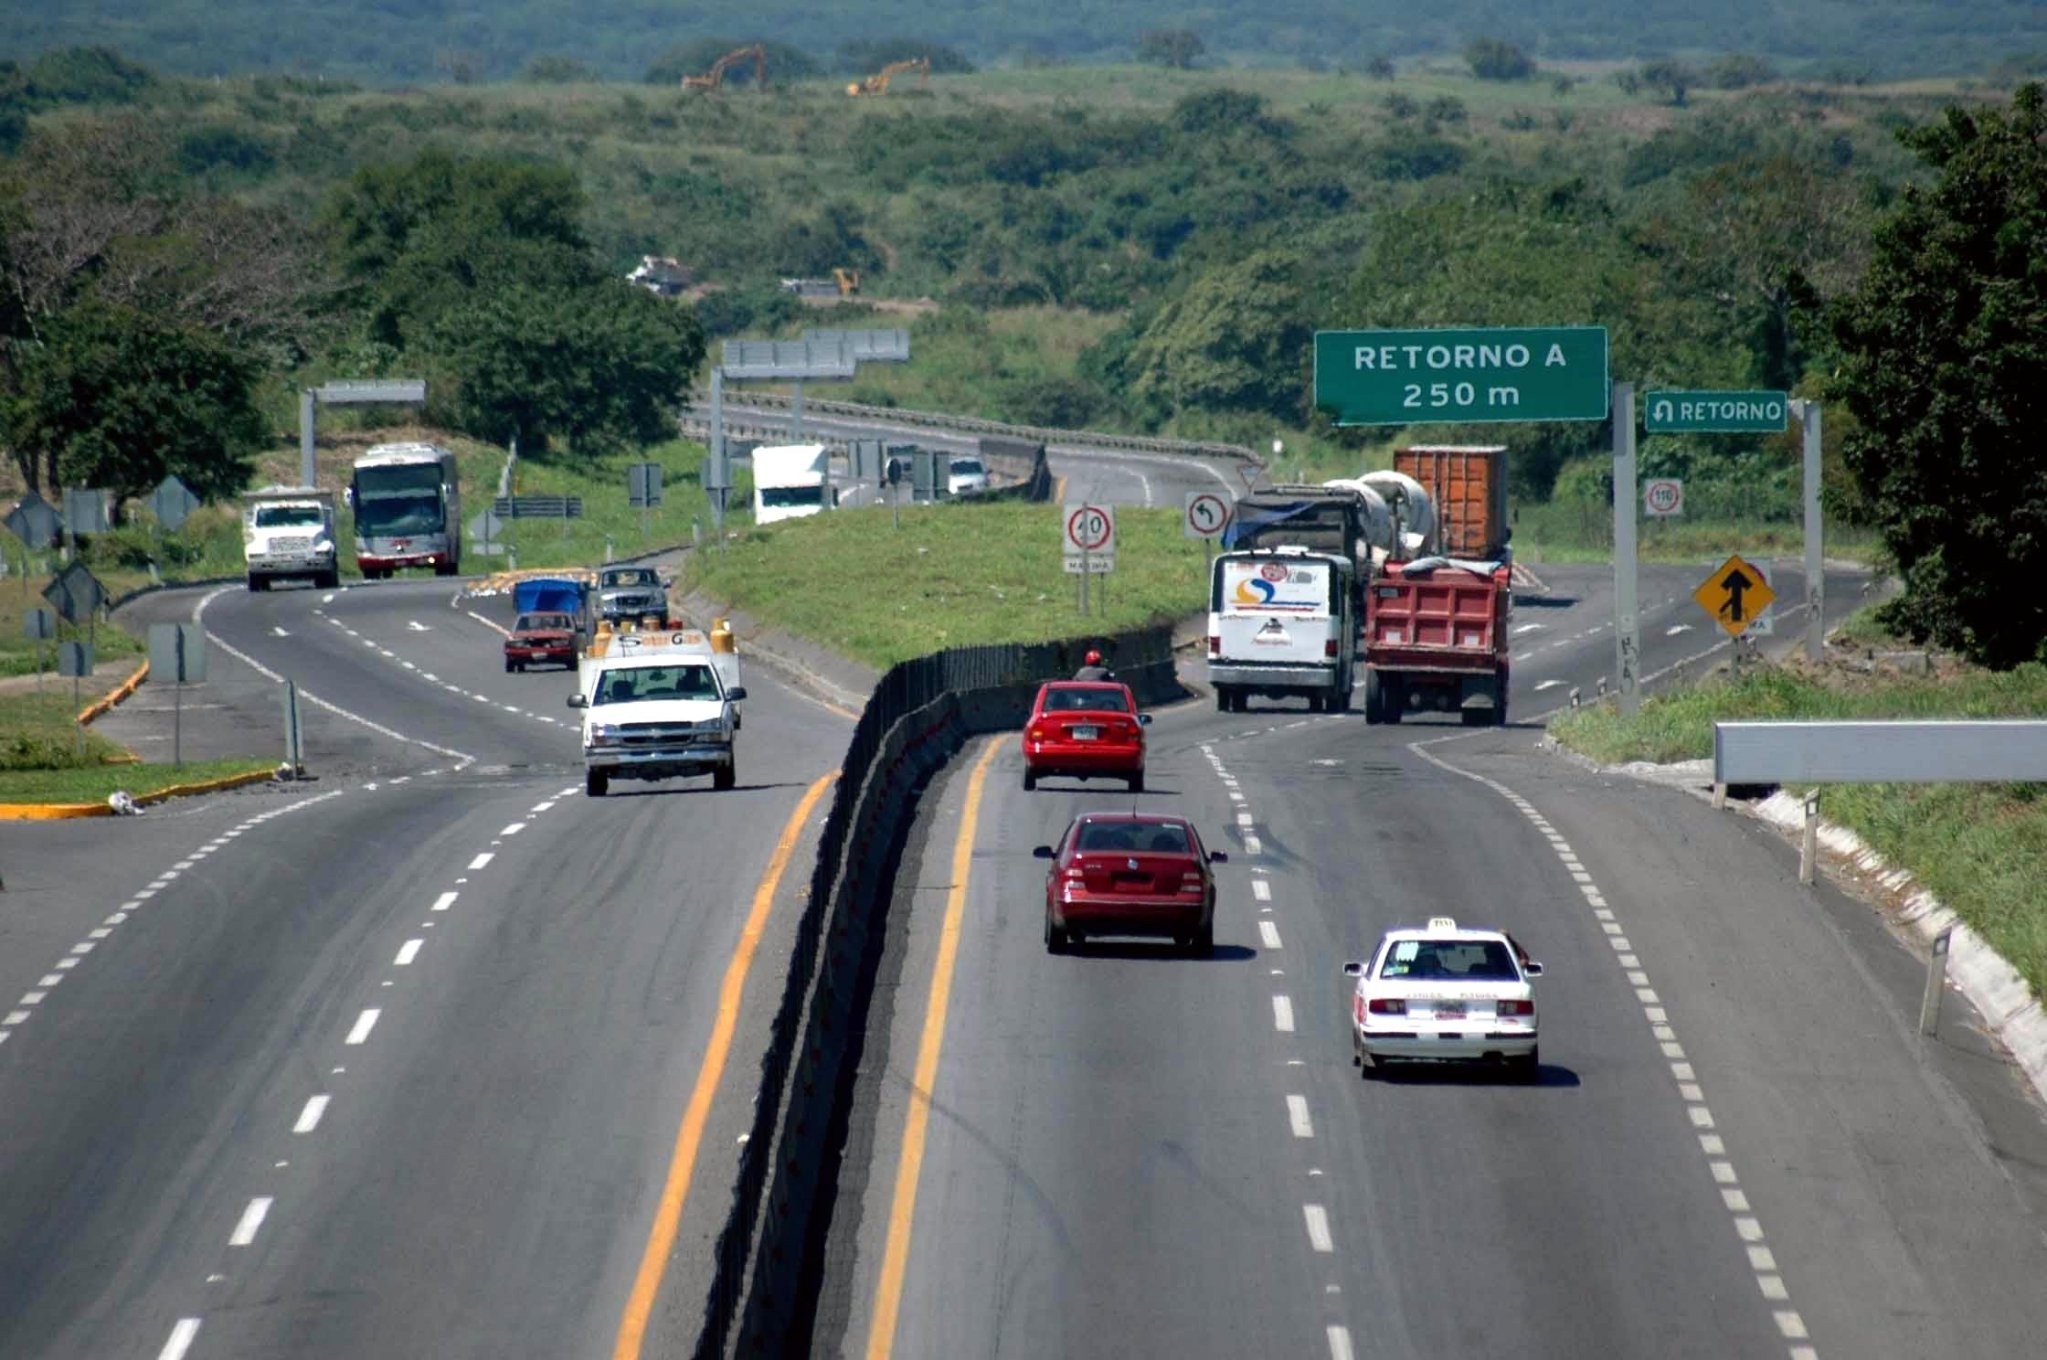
{"points": [[878, 83], [715, 77]]}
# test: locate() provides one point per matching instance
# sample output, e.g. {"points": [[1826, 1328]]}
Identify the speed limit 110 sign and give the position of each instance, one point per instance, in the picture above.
{"points": [[1663, 497]]}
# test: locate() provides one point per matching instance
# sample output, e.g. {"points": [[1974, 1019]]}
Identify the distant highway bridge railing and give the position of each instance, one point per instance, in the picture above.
{"points": [[695, 419]]}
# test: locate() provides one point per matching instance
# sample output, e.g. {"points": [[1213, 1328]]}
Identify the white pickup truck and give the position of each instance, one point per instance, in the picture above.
{"points": [[288, 531], [658, 706]]}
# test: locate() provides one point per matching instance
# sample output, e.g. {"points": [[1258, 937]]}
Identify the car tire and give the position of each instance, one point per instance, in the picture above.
{"points": [[509, 668], [1368, 1066], [257, 582], [595, 782], [1528, 1067], [1222, 699], [1204, 942], [1136, 782], [725, 776], [1030, 781], [1056, 940]]}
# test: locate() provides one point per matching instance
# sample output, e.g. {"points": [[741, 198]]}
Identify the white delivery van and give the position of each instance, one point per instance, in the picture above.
{"points": [[1282, 622], [791, 481], [288, 531]]}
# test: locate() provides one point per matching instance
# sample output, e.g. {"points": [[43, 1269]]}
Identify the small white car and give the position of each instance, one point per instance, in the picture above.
{"points": [[965, 474], [1445, 993]]}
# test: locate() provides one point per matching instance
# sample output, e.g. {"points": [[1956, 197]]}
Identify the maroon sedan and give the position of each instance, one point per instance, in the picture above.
{"points": [[1086, 729], [541, 640], [1124, 874]]}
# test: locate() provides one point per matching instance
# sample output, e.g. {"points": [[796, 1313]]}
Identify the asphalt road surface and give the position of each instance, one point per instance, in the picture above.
{"points": [[389, 1063], [1738, 1144]]}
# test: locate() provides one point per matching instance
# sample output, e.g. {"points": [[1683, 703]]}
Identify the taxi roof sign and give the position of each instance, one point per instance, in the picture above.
{"points": [[1442, 923], [1736, 594]]}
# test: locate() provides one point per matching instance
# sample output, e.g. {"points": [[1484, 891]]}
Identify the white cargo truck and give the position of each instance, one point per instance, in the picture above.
{"points": [[287, 532], [1283, 622], [791, 481], [658, 706]]}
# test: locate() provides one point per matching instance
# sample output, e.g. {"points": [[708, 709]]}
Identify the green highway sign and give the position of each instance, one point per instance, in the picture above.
{"points": [[1715, 412], [1457, 376]]}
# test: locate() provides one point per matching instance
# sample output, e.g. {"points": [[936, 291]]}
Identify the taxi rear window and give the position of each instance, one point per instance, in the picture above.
{"points": [[1449, 961]]}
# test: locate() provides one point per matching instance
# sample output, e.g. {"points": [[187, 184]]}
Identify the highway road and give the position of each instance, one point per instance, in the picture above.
{"points": [[392, 1062], [1738, 1144], [1114, 476]]}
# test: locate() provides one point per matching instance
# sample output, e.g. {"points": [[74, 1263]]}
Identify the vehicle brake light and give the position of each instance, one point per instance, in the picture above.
{"points": [[1074, 874], [1329, 647], [1191, 881], [1517, 1008], [1037, 733], [1215, 644], [1388, 1005]]}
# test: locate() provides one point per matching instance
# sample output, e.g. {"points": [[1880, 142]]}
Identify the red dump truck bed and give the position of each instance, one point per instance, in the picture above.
{"points": [[1437, 638]]}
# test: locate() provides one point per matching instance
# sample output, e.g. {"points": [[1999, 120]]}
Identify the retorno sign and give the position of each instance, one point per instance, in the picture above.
{"points": [[1462, 376]]}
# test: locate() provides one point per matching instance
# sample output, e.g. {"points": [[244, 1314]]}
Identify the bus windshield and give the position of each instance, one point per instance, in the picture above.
{"points": [[399, 516]]}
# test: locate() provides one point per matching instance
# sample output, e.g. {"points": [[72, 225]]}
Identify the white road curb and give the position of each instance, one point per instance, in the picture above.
{"points": [[1990, 983]]}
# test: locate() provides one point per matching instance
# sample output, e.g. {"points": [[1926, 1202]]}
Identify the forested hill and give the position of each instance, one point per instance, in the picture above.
{"points": [[384, 42]]}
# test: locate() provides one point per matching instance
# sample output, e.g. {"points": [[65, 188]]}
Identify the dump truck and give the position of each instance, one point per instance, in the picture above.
{"points": [[1438, 609]]}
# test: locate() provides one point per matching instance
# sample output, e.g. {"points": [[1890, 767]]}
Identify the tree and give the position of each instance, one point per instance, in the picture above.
{"points": [[120, 398], [555, 69], [1498, 59], [1945, 342], [601, 368], [1671, 76], [1739, 70], [1178, 48], [698, 55], [1236, 340], [859, 56]]}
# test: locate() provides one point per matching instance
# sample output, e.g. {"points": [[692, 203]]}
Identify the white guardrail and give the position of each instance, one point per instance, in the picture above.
{"points": [[938, 420]]}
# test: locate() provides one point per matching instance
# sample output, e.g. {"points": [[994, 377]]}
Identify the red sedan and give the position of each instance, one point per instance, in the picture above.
{"points": [[1125, 874], [541, 639], [1085, 729]]}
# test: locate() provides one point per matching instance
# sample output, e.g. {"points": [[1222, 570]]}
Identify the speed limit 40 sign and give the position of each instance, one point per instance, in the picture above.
{"points": [[1208, 514], [1662, 497], [1089, 537]]}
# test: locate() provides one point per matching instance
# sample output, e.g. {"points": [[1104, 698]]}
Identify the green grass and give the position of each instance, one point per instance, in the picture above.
{"points": [[1980, 848], [1556, 532], [952, 575], [601, 482], [40, 732], [94, 785]]}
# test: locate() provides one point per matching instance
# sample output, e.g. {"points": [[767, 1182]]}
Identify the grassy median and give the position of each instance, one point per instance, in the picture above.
{"points": [[952, 575], [1980, 848]]}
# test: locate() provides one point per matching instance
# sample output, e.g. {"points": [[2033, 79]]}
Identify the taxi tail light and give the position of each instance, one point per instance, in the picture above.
{"points": [[1517, 1008], [1215, 644], [1329, 647], [1388, 1005]]}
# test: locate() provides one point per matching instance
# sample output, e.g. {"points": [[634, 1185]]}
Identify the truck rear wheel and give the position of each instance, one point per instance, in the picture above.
{"points": [[327, 580], [595, 782], [258, 582], [1392, 701], [725, 776], [1375, 698]]}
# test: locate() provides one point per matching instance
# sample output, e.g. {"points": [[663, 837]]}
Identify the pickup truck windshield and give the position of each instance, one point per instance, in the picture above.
{"points": [[537, 623], [781, 497], [631, 684], [630, 578]]}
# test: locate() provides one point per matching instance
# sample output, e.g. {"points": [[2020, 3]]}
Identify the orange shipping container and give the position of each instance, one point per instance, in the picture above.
{"points": [[1469, 487]]}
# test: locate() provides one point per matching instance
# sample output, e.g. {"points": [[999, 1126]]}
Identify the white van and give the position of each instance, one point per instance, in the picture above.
{"points": [[1282, 622]]}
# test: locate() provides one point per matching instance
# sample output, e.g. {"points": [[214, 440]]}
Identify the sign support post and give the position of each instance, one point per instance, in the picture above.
{"points": [[1815, 528], [1627, 646]]}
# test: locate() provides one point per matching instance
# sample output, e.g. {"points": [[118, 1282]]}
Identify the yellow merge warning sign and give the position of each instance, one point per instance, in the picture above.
{"points": [[1735, 594]]}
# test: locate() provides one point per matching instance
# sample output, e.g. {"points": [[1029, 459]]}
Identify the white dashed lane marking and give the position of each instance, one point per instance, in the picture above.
{"points": [[1318, 1227], [1283, 1014], [408, 952], [444, 901], [309, 1117], [1297, 1117], [364, 1023], [182, 1337], [1269, 933], [483, 858], [1261, 890], [251, 1222]]}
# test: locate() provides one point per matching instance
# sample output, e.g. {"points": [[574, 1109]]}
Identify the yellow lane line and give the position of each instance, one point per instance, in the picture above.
{"points": [[632, 1327], [888, 1294]]}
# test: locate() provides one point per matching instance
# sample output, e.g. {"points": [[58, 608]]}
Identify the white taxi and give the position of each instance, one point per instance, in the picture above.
{"points": [[1445, 993]]}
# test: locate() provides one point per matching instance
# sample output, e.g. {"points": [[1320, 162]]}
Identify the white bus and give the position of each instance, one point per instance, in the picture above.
{"points": [[408, 510]]}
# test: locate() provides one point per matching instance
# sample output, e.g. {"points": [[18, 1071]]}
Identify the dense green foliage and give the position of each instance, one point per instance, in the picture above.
{"points": [[1946, 348], [388, 43]]}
